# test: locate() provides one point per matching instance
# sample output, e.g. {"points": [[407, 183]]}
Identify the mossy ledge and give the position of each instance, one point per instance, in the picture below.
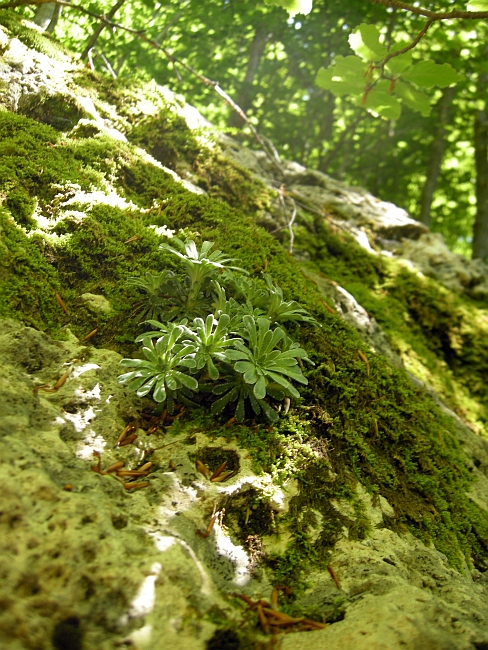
{"points": [[80, 214]]}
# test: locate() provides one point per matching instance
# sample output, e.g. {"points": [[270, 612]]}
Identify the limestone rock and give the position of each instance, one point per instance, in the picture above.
{"points": [[96, 303], [86, 558], [401, 595], [430, 255]]}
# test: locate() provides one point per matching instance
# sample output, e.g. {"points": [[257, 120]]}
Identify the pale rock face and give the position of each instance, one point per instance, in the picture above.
{"points": [[75, 545], [404, 595], [96, 302], [433, 258], [78, 552]]}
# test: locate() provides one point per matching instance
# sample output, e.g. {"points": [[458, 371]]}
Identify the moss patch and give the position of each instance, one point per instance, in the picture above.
{"points": [[28, 283], [225, 180], [43, 43], [441, 337], [352, 427], [167, 138]]}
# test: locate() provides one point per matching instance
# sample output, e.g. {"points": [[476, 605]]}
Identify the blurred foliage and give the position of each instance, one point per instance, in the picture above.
{"points": [[268, 58]]}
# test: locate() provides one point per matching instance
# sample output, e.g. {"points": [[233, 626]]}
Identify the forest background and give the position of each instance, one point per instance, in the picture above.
{"points": [[425, 150]]}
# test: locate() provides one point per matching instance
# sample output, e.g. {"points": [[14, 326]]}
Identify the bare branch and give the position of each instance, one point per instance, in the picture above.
{"points": [[100, 27]]}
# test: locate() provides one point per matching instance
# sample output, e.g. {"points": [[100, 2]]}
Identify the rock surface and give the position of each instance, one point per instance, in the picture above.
{"points": [[85, 559]]}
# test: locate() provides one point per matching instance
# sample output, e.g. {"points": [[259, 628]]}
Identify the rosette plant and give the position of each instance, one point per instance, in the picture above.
{"points": [[164, 370], [278, 310], [235, 389], [201, 267], [212, 342], [263, 363], [209, 343], [156, 288]]}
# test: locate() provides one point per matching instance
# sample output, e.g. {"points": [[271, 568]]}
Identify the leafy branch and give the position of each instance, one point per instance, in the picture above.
{"points": [[432, 17], [381, 82], [382, 79]]}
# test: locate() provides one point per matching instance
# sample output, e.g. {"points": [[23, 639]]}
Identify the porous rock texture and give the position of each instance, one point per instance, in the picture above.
{"points": [[87, 563]]}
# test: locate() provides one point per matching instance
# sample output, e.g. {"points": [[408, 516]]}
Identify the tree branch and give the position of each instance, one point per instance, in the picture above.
{"points": [[432, 15], [408, 47], [98, 30]]}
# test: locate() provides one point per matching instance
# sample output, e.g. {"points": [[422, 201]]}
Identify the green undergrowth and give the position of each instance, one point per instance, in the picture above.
{"points": [[351, 426], [441, 337]]}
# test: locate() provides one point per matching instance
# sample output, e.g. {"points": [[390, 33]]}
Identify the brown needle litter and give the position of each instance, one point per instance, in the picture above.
{"points": [[60, 302]]}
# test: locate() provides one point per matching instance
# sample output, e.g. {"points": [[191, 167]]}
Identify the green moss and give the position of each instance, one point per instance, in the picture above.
{"points": [[32, 163], [441, 337], [225, 180], [59, 111], [339, 255], [149, 186], [28, 283], [167, 138], [43, 43], [375, 429]]}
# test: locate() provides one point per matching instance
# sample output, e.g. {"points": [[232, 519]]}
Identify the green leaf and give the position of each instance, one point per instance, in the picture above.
{"points": [[269, 412], [212, 370], [429, 74], [159, 394], [347, 76], [400, 63], [293, 6], [240, 411], [243, 366], [186, 380], [251, 376], [260, 388], [219, 405], [413, 98], [478, 5], [365, 41], [381, 102]]}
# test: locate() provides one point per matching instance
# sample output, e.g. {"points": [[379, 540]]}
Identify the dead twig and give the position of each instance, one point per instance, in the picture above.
{"points": [[89, 336], [272, 620], [61, 382], [209, 528], [60, 302], [333, 575], [364, 358]]}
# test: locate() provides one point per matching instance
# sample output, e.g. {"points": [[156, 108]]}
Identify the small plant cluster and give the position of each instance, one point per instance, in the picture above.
{"points": [[233, 349]]}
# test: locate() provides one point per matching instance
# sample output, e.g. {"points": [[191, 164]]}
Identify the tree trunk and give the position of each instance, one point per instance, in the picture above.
{"points": [[44, 14], [436, 154], [245, 95], [54, 20], [480, 229], [100, 27]]}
